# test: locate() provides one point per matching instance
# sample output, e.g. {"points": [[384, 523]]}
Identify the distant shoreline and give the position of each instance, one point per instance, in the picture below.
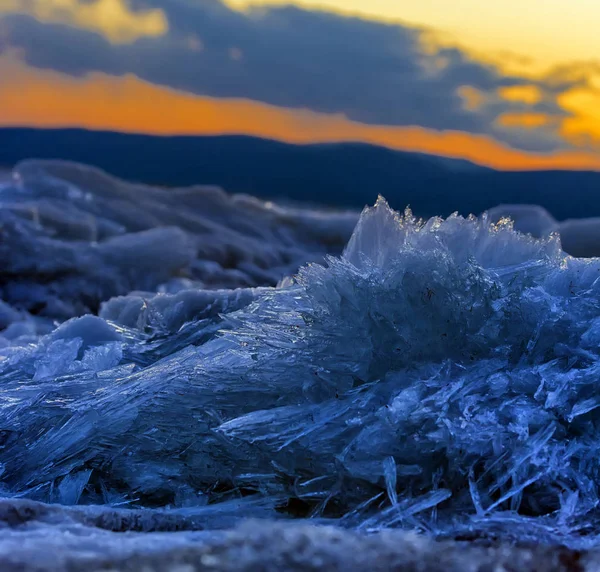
{"points": [[347, 176]]}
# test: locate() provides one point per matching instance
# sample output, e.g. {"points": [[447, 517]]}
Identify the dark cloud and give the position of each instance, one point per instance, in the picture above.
{"points": [[569, 76], [61, 48], [370, 71]]}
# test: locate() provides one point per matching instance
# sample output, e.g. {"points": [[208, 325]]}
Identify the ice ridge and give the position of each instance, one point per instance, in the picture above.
{"points": [[439, 375]]}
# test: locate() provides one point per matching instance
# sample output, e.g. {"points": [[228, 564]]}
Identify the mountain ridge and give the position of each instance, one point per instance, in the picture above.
{"points": [[335, 174]]}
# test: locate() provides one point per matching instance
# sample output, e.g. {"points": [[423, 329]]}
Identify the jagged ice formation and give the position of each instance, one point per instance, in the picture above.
{"points": [[439, 375]]}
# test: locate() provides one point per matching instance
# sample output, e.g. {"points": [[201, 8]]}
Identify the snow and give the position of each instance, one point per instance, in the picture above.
{"points": [[439, 376], [58, 539]]}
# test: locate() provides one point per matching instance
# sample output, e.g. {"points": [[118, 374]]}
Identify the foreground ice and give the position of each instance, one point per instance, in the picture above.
{"points": [[438, 376]]}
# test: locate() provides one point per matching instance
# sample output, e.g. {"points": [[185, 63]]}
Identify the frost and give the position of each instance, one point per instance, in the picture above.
{"points": [[439, 375]]}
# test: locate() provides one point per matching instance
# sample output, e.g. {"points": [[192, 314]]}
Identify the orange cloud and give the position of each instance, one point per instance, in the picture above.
{"points": [[525, 120], [529, 94], [473, 98], [49, 99], [583, 127]]}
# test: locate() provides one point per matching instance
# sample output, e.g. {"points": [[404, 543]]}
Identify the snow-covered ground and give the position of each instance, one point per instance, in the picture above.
{"points": [[36, 537]]}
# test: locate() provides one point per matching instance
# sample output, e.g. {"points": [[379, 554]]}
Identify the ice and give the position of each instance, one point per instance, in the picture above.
{"points": [[579, 237], [92, 330], [73, 237], [438, 375], [528, 219], [169, 312]]}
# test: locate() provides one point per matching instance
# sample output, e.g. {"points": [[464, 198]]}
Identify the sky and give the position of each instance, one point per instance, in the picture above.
{"points": [[512, 84]]}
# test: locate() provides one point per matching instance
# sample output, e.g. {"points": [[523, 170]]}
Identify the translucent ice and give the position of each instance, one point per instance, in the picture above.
{"points": [[579, 237], [439, 375]]}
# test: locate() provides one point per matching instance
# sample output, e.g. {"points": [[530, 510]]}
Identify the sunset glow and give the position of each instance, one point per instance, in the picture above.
{"points": [[509, 85], [49, 99], [531, 35]]}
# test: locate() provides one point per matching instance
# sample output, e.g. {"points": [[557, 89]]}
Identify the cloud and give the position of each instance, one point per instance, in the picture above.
{"points": [[105, 102], [113, 19], [370, 72]]}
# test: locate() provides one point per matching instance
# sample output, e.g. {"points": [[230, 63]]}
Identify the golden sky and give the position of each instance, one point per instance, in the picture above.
{"points": [[50, 99], [548, 32], [545, 41]]}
